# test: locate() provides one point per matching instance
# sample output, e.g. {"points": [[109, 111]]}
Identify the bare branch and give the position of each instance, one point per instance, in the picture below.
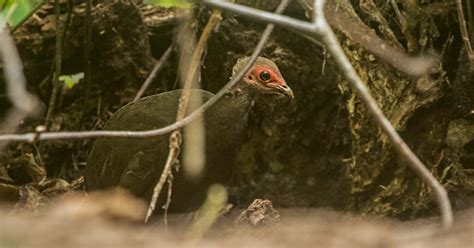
{"points": [[464, 32], [400, 18], [346, 20], [399, 144], [320, 30], [175, 138], [193, 158], [175, 142], [87, 41], [264, 16], [156, 69], [324, 32], [31, 137], [318, 10], [58, 63]]}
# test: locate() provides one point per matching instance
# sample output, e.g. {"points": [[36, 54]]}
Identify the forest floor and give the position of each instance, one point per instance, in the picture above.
{"points": [[102, 220]]}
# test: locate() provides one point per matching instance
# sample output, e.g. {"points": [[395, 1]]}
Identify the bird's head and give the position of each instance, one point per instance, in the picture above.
{"points": [[263, 77]]}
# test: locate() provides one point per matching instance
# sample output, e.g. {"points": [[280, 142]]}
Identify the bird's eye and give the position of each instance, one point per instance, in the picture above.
{"points": [[264, 76]]}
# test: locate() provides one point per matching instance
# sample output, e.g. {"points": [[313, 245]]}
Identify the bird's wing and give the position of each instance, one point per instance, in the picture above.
{"points": [[141, 173], [134, 164]]}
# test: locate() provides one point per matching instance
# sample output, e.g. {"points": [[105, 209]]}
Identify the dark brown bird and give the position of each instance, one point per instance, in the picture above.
{"points": [[136, 164]]}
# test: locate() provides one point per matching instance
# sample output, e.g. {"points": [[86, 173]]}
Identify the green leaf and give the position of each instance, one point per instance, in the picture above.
{"points": [[71, 80], [170, 3], [17, 11]]}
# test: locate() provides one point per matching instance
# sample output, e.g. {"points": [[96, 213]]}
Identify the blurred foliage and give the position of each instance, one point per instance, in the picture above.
{"points": [[170, 3], [71, 80], [17, 11]]}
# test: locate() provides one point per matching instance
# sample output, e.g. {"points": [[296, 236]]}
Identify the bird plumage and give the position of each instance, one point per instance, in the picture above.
{"points": [[136, 163]]}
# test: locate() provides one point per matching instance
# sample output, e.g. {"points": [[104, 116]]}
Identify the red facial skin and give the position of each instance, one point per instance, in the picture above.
{"points": [[267, 79], [273, 81]]}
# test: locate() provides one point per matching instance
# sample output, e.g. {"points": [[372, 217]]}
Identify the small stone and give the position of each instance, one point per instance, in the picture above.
{"points": [[259, 214]]}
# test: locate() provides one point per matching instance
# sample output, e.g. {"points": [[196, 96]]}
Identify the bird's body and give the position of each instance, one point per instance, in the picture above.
{"points": [[136, 164]]}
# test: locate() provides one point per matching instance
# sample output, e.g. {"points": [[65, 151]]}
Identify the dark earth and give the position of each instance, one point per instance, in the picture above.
{"points": [[323, 151]]}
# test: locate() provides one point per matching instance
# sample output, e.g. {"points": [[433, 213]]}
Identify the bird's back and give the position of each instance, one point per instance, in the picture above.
{"points": [[136, 164]]}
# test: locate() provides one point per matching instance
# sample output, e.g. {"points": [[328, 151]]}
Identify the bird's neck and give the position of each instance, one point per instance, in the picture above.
{"points": [[240, 99], [242, 91]]}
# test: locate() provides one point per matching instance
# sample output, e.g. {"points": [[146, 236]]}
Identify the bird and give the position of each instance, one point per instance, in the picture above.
{"points": [[136, 164]]}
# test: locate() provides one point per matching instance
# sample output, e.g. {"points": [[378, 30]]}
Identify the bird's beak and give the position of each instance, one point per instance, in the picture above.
{"points": [[285, 90]]}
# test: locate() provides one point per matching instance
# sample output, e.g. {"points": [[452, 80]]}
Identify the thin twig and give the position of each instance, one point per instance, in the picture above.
{"points": [[57, 59], [64, 39], [398, 13], [76, 135], [168, 200], [193, 157], [175, 138], [156, 69], [399, 144], [264, 16], [175, 141], [87, 53], [471, 19], [233, 81], [464, 32], [31, 137], [195, 63], [416, 66], [321, 30]]}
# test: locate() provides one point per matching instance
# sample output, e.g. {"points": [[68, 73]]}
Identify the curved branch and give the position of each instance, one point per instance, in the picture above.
{"points": [[321, 30], [173, 153], [32, 137], [175, 137]]}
